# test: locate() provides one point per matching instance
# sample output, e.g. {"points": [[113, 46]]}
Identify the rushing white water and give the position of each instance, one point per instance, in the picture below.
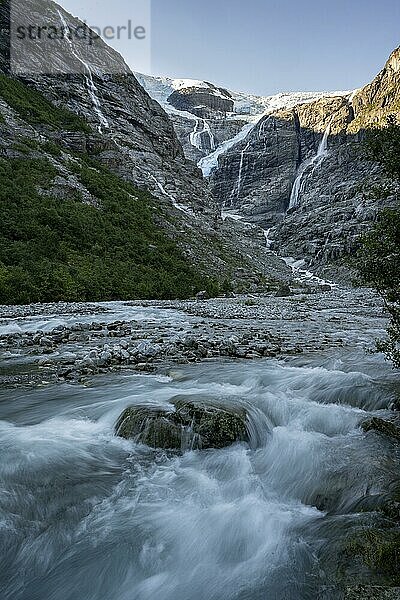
{"points": [[90, 85], [182, 207], [87, 515], [201, 129], [313, 163], [302, 274], [210, 162], [238, 185], [112, 311]]}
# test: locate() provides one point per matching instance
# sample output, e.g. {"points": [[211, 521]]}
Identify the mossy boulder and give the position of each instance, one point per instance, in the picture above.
{"points": [[191, 423], [379, 551], [382, 426], [372, 592]]}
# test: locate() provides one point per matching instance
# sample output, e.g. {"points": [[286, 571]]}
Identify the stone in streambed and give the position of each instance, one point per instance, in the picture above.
{"points": [[190, 423], [151, 426], [372, 592], [382, 426]]}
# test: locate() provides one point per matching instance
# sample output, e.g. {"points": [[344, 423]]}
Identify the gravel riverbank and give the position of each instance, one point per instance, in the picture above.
{"points": [[56, 342]]}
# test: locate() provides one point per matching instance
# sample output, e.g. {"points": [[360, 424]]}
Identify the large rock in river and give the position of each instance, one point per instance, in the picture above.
{"points": [[191, 423]]}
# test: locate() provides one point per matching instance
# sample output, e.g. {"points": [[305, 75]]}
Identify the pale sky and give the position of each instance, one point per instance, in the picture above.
{"points": [[258, 46]]}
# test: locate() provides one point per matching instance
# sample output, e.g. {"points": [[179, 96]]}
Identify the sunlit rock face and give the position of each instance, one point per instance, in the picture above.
{"points": [[304, 172], [292, 163]]}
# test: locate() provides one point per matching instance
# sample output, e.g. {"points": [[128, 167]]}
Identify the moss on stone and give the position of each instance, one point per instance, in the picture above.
{"points": [[379, 550], [382, 426], [190, 424]]}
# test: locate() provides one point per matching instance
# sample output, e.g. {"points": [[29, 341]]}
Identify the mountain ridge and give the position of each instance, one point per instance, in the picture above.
{"points": [[254, 172], [112, 122]]}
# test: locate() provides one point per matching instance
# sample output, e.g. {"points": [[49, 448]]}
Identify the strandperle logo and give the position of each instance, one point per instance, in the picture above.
{"points": [[83, 32], [46, 39]]}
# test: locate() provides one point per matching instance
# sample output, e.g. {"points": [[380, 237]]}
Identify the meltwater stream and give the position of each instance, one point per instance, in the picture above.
{"points": [[87, 516]]}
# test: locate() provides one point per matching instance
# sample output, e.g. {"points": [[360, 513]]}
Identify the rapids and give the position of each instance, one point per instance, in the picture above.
{"points": [[85, 515]]}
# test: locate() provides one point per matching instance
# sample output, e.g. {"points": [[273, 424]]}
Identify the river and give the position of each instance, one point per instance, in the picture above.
{"points": [[85, 515]]}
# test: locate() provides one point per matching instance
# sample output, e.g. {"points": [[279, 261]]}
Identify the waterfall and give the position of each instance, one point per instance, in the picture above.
{"points": [[314, 162], [261, 129], [236, 190], [196, 137], [239, 182], [268, 240], [261, 132], [90, 85], [186, 209], [207, 130]]}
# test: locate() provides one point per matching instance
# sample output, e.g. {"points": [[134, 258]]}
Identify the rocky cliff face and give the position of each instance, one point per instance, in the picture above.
{"points": [[203, 102], [103, 113], [295, 165], [303, 172], [376, 101], [137, 139]]}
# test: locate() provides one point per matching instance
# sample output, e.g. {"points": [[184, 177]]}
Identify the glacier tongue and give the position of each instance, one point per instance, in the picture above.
{"points": [[248, 111], [210, 162]]}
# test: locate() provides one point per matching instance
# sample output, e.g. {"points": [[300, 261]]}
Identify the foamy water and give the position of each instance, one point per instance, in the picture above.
{"points": [[88, 516]]}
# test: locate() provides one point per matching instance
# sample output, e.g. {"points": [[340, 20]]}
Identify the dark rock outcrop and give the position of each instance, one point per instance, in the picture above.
{"points": [[372, 592], [202, 102], [382, 426], [192, 423]]}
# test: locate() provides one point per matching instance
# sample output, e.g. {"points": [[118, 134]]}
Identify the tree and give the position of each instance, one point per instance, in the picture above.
{"points": [[379, 254], [379, 266]]}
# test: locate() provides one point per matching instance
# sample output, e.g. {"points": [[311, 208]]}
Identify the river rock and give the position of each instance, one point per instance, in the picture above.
{"points": [[382, 426], [190, 423], [372, 592]]}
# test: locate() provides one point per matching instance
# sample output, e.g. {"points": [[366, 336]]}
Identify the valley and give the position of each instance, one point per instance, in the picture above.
{"points": [[192, 404]]}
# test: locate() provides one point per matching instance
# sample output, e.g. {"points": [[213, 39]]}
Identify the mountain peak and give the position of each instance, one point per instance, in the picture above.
{"points": [[393, 62]]}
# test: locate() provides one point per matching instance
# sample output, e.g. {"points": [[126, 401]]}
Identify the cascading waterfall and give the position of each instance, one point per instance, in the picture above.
{"points": [[242, 155], [207, 130], [260, 132], [197, 136], [236, 190], [268, 240], [263, 125], [313, 163], [90, 85], [186, 209]]}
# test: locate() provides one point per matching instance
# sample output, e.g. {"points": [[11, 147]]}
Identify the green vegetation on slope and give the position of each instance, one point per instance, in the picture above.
{"points": [[52, 249], [383, 145], [33, 107], [379, 255], [379, 265]]}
